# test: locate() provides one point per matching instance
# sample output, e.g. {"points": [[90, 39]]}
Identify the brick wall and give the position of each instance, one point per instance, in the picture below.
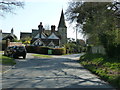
{"points": [[6, 43], [15, 44]]}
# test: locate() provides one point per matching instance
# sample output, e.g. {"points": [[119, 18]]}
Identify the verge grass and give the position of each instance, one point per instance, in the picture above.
{"points": [[4, 60], [107, 68], [42, 56]]}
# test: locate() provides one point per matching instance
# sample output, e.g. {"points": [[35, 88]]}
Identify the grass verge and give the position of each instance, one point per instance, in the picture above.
{"points": [[42, 56], [107, 68], [4, 60]]}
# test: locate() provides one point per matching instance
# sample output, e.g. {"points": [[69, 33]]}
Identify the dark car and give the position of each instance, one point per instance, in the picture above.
{"points": [[8, 51], [16, 51]]}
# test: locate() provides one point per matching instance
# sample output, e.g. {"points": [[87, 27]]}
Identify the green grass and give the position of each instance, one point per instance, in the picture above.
{"points": [[7, 60], [1, 51], [107, 68], [42, 56]]}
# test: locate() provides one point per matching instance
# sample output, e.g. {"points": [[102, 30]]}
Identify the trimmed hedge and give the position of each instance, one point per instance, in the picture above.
{"points": [[37, 49], [44, 50], [59, 51]]}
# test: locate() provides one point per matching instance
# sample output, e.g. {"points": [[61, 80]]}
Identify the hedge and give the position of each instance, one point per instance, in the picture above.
{"points": [[59, 51], [44, 50]]}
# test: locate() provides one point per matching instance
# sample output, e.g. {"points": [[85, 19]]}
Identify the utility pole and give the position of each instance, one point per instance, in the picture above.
{"points": [[76, 32]]}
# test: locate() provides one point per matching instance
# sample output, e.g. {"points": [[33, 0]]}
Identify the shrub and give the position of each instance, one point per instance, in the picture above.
{"points": [[42, 50], [113, 51], [59, 51], [107, 68], [37, 49], [31, 49]]}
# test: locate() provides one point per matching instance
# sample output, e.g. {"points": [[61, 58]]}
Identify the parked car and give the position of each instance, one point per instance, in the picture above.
{"points": [[8, 51], [16, 51]]}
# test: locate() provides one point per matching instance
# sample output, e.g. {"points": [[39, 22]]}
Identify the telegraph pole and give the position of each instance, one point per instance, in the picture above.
{"points": [[76, 32]]}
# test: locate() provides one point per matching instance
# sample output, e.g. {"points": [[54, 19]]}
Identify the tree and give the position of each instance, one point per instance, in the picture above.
{"points": [[99, 21], [26, 40], [7, 6]]}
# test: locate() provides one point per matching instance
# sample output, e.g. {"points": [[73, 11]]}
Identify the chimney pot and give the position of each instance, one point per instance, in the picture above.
{"points": [[52, 28]]}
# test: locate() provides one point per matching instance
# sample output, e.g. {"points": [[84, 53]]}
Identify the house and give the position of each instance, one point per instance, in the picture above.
{"points": [[5, 37], [52, 38], [11, 36]]}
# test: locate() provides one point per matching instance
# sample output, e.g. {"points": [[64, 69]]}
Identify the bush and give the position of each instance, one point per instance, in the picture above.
{"points": [[31, 49], [59, 51], [107, 68], [44, 50], [37, 49], [113, 51]]}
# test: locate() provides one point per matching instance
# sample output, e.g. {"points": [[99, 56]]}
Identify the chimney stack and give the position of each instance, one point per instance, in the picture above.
{"points": [[12, 31], [52, 28], [40, 27]]}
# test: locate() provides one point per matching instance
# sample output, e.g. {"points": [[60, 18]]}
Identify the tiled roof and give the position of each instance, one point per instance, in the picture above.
{"points": [[10, 36], [47, 41], [5, 34], [25, 34], [34, 32]]}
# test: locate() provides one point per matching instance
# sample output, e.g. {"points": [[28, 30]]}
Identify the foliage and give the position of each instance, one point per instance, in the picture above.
{"points": [[26, 40], [107, 68], [37, 49], [99, 22], [59, 51], [44, 50], [15, 40], [73, 47], [7, 6], [7, 60]]}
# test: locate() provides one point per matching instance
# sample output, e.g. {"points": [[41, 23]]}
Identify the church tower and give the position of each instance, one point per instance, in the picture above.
{"points": [[62, 30]]}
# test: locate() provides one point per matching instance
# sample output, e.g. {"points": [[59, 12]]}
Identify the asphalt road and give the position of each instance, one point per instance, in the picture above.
{"points": [[55, 72]]}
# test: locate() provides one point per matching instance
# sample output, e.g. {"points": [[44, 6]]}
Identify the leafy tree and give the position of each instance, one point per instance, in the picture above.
{"points": [[99, 21], [26, 40], [7, 6]]}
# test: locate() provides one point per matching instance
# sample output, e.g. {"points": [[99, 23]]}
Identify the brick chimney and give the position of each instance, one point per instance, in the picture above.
{"points": [[52, 28], [40, 28], [12, 31]]}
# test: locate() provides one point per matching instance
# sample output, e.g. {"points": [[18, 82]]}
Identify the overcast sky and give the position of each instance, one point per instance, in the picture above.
{"points": [[35, 11]]}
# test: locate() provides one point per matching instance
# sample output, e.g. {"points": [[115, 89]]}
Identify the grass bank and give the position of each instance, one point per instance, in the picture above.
{"points": [[4, 60], [42, 56], [107, 68]]}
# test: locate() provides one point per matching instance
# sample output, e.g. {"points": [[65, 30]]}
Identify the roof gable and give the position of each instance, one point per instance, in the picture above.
{"points": [[37, 36], [43, 36], [51, 44], [38, 42], [53, 36], [5, 34]]}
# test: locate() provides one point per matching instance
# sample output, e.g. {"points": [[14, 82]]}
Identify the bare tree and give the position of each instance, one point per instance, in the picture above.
{"points": [[7, 6]]}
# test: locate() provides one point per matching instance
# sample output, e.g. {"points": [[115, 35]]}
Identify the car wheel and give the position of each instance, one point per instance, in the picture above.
{"points": [[24, 57]]}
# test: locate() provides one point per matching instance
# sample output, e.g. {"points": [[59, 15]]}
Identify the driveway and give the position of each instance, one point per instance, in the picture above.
{"points": [[56, 72]]}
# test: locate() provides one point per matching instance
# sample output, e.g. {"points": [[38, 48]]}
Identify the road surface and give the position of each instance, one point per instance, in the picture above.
{"points": [[56, 72]]}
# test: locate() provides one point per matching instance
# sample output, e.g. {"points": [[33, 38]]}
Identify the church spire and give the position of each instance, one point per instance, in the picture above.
{"points": [[62, 21]]}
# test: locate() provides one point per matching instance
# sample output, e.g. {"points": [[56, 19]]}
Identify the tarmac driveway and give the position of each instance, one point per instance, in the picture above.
{"points": [[55, 72]]}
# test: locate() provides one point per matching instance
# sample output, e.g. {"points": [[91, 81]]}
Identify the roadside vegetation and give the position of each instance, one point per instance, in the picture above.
{"points": [[99, 23], [107, 68], [42, 56], [4, 60]]}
